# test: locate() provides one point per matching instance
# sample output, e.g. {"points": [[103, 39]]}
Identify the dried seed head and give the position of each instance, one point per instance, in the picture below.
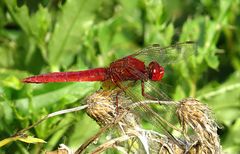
{"points": [[103, 109], [197, 116]]}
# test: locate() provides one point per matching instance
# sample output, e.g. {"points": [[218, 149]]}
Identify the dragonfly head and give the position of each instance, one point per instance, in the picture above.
{"points": [[156, 71]]}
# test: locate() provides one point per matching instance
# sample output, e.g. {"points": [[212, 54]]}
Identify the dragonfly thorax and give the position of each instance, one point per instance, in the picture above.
{"points": [[155, 71]]}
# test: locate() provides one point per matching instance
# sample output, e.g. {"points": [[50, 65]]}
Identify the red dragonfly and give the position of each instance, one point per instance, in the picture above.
{"points": [[130, 68], [146, 64]]}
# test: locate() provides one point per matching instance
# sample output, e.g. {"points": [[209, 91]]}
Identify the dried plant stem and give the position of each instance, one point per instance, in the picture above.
{"points": [[53, 115], [111, 143]]}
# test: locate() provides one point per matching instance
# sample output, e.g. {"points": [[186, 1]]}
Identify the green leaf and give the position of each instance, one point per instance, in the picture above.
{"points": [[35, 26], [12, 82], [223, 98], [212, 61], [179, 93], [6, 55], [233, 138], [50, 95], [75, 20], [20, 15], [23, 138], [11, 78], [30, 139]]}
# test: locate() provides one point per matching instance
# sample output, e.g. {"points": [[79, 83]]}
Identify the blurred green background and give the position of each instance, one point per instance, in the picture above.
{"points": [[62, 35]]}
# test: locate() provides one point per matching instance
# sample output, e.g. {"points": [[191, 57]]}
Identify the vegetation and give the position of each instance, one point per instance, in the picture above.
{"points": [[46, 36]]}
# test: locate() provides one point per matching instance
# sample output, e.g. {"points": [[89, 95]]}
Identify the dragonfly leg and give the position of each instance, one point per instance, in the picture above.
{"points": [[117, 101], [122, 89], [118, 93], [145, 94]]}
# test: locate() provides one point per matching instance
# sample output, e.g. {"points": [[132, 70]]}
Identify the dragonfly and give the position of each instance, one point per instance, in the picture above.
{"points": [[147, 64], [144, 65]]}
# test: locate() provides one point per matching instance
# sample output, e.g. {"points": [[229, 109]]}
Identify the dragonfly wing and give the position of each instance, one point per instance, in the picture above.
{"points": [[167, 55], [157, 119], [144, 111]]}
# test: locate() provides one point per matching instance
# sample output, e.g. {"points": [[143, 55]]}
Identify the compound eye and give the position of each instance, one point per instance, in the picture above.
{"points": [[156, 71]]}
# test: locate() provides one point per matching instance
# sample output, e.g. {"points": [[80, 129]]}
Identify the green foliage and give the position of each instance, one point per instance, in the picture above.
{"points": [[44, 36]]}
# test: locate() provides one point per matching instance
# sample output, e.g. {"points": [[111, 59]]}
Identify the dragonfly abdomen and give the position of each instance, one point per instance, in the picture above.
{"points": [[98, 74]]}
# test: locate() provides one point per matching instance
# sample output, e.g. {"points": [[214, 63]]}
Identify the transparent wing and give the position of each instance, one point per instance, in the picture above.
{"points": [[167, 55], [144, 110]]}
